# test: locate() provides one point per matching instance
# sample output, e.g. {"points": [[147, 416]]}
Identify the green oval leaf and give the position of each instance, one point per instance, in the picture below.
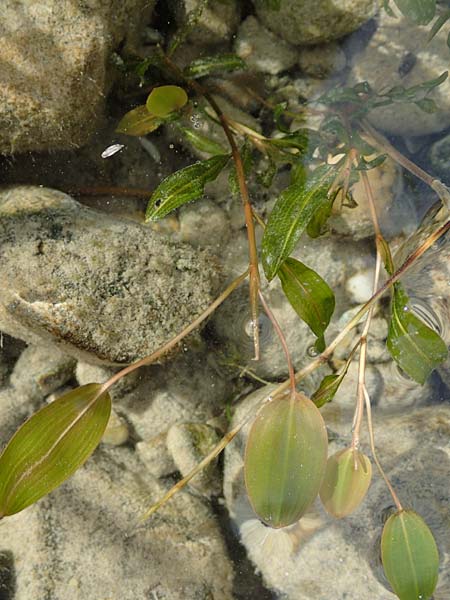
{"points": [[219, 63], [310, 297], [414, 346], [410, 556], [420, 12], [290, 216], [51, 446], [347, 478], [285, 459], [138, 122], [183, 186], [166, 99]]}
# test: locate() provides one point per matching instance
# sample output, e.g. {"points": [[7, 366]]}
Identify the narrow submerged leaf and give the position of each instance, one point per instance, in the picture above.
{"points": [[285, 459], [347, 478], [410, 556], [309, 295], [51, 446], [166, 99], [414, 346], [328, 387], [219, 63], [290, 216], [440, 21], [201, 142], [183, 186], [419, 11], [138, 122]]}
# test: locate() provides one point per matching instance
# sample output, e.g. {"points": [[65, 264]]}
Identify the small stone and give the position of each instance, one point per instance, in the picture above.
{"points": [[40, 371], [262, 50], [116, 432], [216, 24], [204, 225], [400, 54], [156, 457], [307, 22], [87, 373], [322, 61], [188, 444], [359, 287]]}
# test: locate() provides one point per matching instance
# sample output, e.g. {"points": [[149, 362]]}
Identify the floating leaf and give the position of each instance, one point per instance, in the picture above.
{"points": [[347, 478], [290, 216], [138, 122], [285, 459], [410, 556], [201, 142], [414, 346], [214, 64], [166, 99], [419, 11], [309, 295], [51, 446], [183, 186]]}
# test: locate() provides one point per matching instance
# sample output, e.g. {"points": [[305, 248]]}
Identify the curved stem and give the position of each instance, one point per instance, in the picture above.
{"points": [[282, 340], [374, 452], [253, 253], [147, 360]]}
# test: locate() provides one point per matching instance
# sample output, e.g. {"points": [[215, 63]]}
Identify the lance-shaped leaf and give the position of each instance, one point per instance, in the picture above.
{"points": [[219, 63], [183, 186], [414, 346], [138, 122], [419, 11], [51, 446], [201, 142], [285, 459], [346, 481], [410, 556], [309, 295], [328, 387], [290, 216], [166, 99]]}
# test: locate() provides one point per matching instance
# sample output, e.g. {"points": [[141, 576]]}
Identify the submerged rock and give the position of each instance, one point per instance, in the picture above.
{"points": [[399, 54], [216, 23], [56, 71], [103, 289], [83, 540], [314, 21]]}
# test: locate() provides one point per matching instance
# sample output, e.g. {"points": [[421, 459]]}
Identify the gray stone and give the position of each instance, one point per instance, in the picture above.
{"points": [[156, 457], [322, 61], [319, 557], [55, 67], [315, 21], [262, 50], [399, 53], [188, 444], [204, 225], [40, 371], [216, 24], [104, 289], [85, 541]]}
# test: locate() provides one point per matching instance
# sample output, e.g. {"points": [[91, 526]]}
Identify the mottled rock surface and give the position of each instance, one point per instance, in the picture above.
{"points": [[216, 23], [314, 21], [84, 541], [104, 289], [55, 69]]}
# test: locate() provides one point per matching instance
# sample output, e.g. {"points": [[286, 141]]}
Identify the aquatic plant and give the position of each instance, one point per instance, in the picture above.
{"points": [[286, 465]]}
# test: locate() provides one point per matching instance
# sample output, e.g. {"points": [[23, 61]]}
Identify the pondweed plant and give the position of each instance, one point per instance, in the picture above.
{"points": [[286, 465]]}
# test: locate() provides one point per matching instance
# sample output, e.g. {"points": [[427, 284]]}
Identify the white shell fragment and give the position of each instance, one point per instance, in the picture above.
{"points": [[113, 149]]}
